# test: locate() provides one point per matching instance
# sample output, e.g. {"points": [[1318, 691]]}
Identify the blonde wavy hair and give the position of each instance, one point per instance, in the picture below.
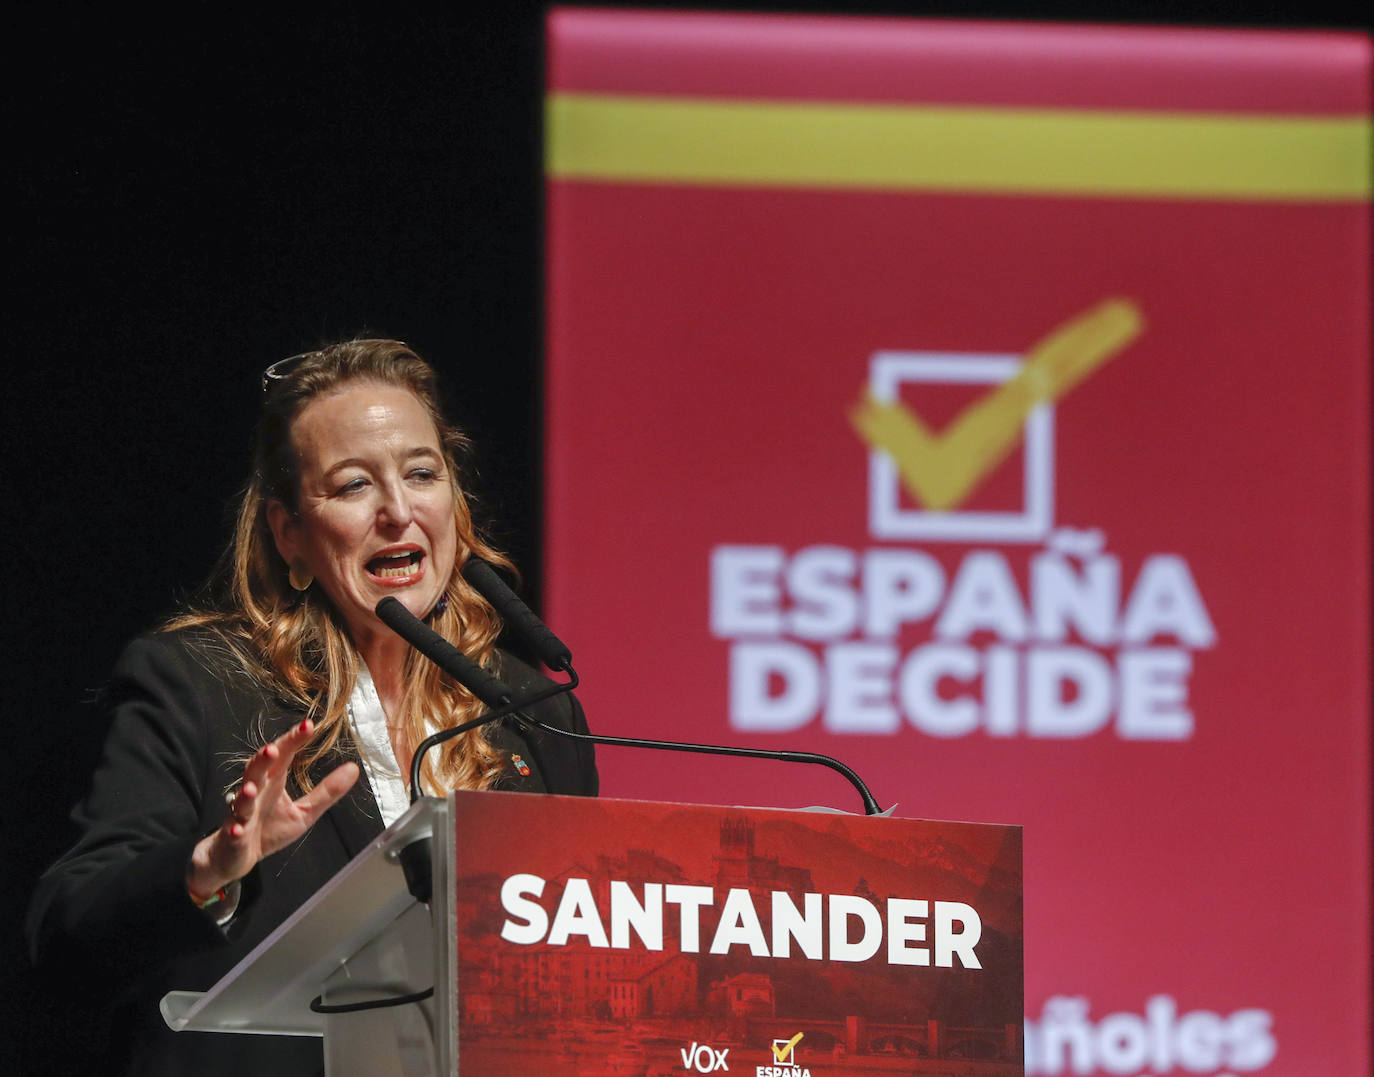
{"points": [[294, 642]]}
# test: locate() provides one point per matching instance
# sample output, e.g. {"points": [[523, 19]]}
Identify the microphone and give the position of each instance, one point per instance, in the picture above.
{"points": [[557, 656], [490, 689], [552, 651]]}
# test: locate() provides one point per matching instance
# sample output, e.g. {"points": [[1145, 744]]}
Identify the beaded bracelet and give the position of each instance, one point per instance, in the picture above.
{"points": [[222, 894]]}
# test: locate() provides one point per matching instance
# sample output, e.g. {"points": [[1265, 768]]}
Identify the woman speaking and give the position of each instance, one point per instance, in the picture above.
{"points": [[258, 743]]}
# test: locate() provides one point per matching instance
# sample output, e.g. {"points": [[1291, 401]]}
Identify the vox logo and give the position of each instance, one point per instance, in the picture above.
{"points": [[703, 1058]]}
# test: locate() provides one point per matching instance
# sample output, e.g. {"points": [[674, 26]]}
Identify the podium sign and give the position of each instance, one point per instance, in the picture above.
{"points": [[603, 936], [607, 937]]}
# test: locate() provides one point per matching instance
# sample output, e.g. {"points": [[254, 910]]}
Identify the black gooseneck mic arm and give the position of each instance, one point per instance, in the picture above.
{"points": [[870, 804], [496, 694], [556, 655]]}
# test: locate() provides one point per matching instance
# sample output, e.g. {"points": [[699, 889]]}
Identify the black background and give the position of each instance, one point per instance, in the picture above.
{"points": [[196, 196]]}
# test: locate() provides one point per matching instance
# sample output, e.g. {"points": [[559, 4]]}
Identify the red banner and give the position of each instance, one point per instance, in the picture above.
{"points": [[988, 406], [638, 938]]}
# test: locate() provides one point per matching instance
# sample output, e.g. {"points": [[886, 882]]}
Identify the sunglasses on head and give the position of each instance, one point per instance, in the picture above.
{"points": [[283, 368]]}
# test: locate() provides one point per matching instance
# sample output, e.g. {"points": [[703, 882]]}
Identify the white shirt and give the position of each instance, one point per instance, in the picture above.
{"points": [[389, 786]]}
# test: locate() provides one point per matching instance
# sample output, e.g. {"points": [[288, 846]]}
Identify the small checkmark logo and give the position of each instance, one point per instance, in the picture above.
{"points": [[782, 1049], [941, 470]]}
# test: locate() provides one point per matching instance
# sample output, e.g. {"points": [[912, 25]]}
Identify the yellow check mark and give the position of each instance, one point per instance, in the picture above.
{"points": [[779, 1053], [941, 470]]}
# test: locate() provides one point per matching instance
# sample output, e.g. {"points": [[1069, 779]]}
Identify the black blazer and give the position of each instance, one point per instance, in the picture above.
{"points": [[114, 908]]}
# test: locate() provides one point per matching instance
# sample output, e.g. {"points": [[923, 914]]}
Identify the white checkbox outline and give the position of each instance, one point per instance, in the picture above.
{"points": [[888, 372]]}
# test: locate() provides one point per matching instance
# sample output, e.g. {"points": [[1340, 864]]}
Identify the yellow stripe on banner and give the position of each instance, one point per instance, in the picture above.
{"points": [[731, 143]]}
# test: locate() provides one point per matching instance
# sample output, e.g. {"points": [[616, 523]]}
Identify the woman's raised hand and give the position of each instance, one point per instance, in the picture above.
{"points": [[262, 816]]}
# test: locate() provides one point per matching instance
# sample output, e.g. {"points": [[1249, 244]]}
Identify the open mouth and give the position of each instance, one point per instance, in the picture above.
{"points": [[401, 565]]}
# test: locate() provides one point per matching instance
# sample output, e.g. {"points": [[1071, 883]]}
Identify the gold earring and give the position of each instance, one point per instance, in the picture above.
{"points": [[300, 576]]}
